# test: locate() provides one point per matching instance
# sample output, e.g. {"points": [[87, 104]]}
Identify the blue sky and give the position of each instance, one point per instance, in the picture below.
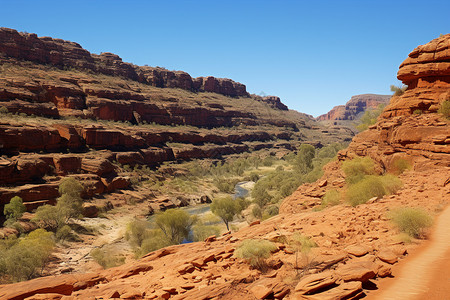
{"points": [[312, 54]]}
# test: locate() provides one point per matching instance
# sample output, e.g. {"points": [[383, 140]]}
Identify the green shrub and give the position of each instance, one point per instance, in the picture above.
{"points": [[225, 208], [357, 168], [411, 221], [398, 90], [25, 258], [201, 231], [136, 232], [14, 209], [331, 198], [63, 233], [271, 210], [155, 239], [48, 217], [68, 206], [417, 112], [176, 224], [260, 195], [3, 110], [302, 243], [304, 159], [255, 252], [372, 186], [444, 109], [401, 165], [268, 161], [257, 212], [107, 258]]}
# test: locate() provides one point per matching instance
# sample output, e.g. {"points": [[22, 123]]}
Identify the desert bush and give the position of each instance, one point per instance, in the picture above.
{"points": [[444, 109], [411, 221], [226, 208], [225, 185], [3, 110], [107, 258], [176, 224], [357, 168], [137, 232], [156, 239], [260, 195], [14, 209], [417, 112], [331, 198], [254, 177], [302, 244], [202, 231], [255, 252], [70, 186], [48, 217], [372, 186], [257, 212], [270, 211], [25, 258], [68, 206], [401, 165], [398, 90], [63, 233]]}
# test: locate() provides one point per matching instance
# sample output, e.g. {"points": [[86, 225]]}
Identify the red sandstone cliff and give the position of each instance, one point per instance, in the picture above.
{"points": [[356, 105]]}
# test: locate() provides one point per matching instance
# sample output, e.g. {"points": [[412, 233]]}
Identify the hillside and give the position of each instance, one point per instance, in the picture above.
{"points": [[65, 111], [357, 247]]}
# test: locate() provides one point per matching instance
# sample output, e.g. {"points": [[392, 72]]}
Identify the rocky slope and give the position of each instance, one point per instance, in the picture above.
{"points": [[354, 107], [357, 246]]}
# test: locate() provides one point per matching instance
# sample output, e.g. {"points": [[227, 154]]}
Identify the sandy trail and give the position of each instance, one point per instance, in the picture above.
{"points": [[427, 274]]}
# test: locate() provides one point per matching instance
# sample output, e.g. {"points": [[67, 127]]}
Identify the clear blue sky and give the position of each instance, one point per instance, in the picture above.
{"points": [[312, 54]]}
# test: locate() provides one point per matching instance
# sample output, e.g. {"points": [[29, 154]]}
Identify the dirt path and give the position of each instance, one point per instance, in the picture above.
{"points": [[427, 274]]}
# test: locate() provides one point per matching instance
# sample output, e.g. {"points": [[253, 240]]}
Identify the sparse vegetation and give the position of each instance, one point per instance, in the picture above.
{"points": [[369, 117], [107, 258], [25, 258], [398, 90], [412, 221], [14, 209], [444, 109], [255, 252], [303, 245], [68, 206], [331, 198], [401, 165], [372, 186], [356, 169]]}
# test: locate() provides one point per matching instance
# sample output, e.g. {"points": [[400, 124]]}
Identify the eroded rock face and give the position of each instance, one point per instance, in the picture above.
{"points": [[356, 105], [426, 72], [47, 50]]}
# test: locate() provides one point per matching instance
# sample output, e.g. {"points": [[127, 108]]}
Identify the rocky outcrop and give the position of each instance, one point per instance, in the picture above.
{"points": [[426, 72], [272, 101], [354, 107], [421, 140], [66, 54]]}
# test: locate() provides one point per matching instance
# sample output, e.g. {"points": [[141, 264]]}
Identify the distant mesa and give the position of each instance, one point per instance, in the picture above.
{"points": [[354, 107]]}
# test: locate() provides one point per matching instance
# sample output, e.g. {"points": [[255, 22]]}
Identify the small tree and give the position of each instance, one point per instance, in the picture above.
{"points": [[175, 224], [14, 209], [68, 206], [304, 159], [225, 208]]}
